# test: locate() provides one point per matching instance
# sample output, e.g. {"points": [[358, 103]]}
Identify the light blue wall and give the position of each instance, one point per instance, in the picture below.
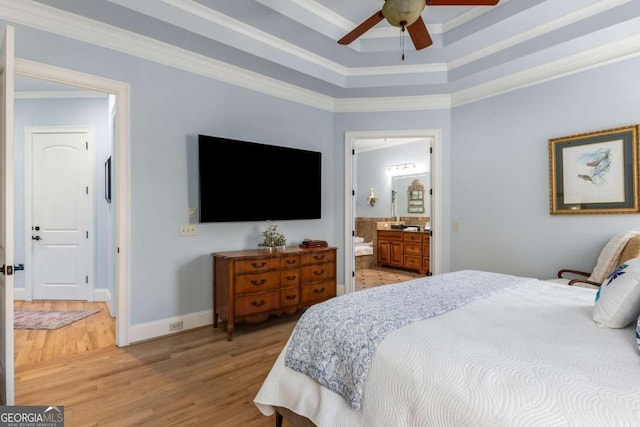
{"points": [[500, 173], [372, 171], [171, 275], [64, 112]]}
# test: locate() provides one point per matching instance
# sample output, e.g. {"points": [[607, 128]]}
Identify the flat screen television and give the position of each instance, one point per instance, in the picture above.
{"points": [[248, 181]]}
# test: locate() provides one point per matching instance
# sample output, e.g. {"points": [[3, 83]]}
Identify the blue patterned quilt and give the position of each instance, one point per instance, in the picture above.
{"points": [[334, 341]]}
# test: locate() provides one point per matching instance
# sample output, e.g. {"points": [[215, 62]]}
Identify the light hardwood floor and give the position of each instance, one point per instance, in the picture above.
{"points": [[194, 378], [90, 333]]}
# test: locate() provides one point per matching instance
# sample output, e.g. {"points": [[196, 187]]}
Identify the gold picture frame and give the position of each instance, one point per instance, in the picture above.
{"points": [[595, 173]]}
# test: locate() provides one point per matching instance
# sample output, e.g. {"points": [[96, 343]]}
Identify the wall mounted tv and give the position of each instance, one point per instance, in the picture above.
{"points": [[248, 181]]}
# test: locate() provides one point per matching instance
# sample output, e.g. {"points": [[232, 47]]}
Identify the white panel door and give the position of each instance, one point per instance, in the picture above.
{"points": [[6, 218], [61, 220]]}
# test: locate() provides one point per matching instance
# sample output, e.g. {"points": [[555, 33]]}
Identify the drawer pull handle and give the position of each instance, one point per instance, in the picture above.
{"points": [[318, 257], [258, 282], [257, 303], [291, 277], [258, 265], [291, 261], [290, 297], [318, 272], [318, 290]]}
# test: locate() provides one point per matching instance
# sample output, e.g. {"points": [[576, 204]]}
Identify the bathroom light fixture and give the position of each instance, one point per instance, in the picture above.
{"points": [[372, 199], [401, 166]]}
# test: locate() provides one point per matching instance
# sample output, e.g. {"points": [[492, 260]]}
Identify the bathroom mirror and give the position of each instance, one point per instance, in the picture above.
{"points": [[410, 195]]}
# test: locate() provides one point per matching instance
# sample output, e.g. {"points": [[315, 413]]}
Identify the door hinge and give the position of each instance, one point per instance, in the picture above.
{"points": [[86, 279], [353, 274], [353, 233], [430, 150], [87, 233], [86, 145], [353, 192], [87, 189], [431, 191]]}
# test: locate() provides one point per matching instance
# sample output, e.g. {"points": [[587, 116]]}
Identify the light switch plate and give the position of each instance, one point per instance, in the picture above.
{"points": [[188, 230]]}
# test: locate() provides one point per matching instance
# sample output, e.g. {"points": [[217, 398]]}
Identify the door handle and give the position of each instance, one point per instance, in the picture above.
{"points": [[36, 238]]}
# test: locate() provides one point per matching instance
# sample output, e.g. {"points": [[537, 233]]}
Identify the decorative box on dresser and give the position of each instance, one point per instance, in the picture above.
{"points": [[404, 249], [251, 285]]}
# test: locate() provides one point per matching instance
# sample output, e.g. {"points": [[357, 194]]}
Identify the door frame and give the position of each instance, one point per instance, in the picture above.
{"points": [[28, 195], [350, 138], [121, 91]]}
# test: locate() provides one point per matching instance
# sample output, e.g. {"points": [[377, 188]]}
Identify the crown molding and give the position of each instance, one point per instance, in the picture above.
{"points": [[397, 69], [586, 12], [196, 9], [318, 10], [398, 103], [65, 24], [603, 55], [468, 16], [76, 27]]}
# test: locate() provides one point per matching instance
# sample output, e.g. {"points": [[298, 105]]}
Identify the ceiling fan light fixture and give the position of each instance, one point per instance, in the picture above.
{"points": [[402, 13]]}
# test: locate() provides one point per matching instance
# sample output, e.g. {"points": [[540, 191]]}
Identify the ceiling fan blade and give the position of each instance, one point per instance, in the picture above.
{"points": [[462, 2], [419, 34], [362, 28]]}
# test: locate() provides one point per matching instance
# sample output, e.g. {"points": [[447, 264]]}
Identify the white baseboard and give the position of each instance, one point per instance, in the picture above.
{"points": [[19, 294], [159, 328]]}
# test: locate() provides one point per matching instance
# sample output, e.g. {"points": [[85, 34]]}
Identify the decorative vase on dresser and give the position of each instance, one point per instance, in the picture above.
{"points": [[251, 285]]}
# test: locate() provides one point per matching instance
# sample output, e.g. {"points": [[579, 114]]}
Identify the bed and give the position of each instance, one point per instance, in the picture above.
{"points": [[526, 354]]}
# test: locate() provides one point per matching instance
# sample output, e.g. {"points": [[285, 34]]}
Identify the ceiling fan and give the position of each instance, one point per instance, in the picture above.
{"points": [[407, 14]]}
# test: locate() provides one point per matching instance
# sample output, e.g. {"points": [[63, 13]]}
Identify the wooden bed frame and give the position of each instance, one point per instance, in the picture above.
{"points": [[292, 418]]}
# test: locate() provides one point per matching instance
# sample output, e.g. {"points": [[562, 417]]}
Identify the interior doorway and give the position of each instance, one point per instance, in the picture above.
{"points": [[119, 91], [352, 143]]}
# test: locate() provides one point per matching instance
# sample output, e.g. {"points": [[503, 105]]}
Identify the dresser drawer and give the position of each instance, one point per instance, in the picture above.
{"points": [[256, 303], [290, 277], [290, 261], [412, 238], [289, 296], [412, 261], [413, 249], [314, 273], [313, 257], [249, 283], [318, 291], [390, 235], [257, 265]]}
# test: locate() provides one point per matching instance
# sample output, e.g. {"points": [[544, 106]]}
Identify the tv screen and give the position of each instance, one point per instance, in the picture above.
{"points": [[247, 181]]}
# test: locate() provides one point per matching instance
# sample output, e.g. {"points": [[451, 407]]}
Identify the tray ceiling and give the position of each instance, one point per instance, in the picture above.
{"points": [[483, 49]]}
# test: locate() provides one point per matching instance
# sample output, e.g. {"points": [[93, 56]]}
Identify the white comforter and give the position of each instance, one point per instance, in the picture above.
{"points": [[531, 356]]}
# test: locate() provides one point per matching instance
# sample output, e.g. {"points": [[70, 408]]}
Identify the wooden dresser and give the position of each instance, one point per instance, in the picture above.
{"points": [[404, 249], [251, 285]]}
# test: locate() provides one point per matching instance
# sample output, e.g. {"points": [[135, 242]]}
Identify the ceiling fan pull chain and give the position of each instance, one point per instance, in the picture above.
{"points": [[402, 41]]}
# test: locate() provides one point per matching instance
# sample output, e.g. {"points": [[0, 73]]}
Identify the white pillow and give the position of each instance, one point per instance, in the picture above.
{"points": [[618, 299], [608, 257]]}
